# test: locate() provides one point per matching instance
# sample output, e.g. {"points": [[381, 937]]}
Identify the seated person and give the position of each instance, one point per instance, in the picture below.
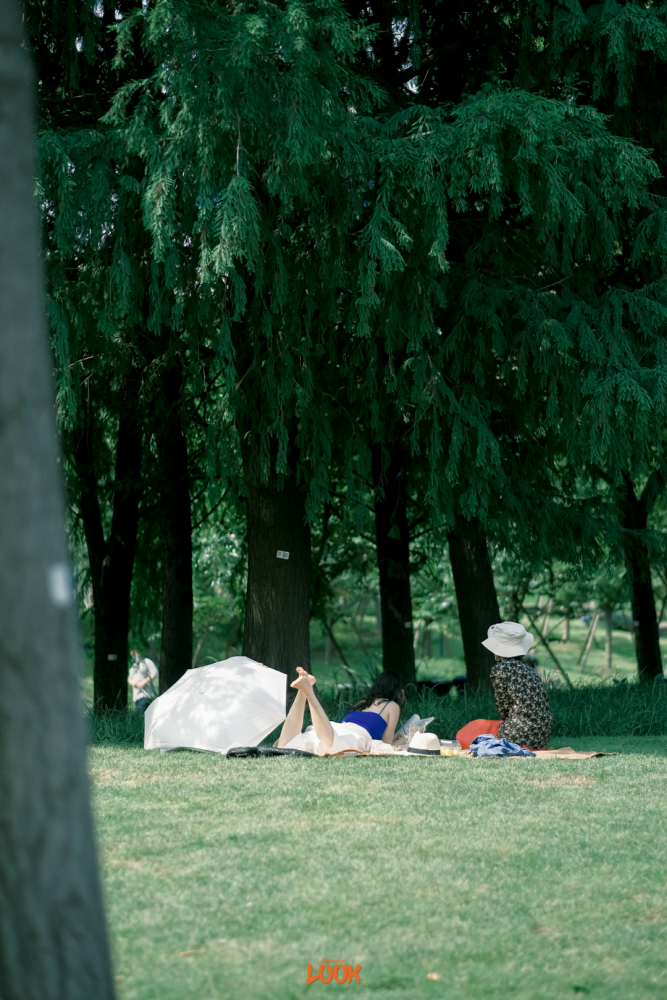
{"points": [[374, 717], [521, 698]]}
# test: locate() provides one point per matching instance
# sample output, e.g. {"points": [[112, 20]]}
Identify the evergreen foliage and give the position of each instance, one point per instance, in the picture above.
{"points": [[334, 262], [246, 224]]}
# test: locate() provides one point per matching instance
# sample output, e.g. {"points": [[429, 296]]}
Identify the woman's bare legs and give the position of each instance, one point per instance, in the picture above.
{"points": [[321, 725], [294, 722]]}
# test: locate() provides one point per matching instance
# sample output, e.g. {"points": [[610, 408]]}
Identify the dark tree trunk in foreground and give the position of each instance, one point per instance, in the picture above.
{"points": [[634, 512], [277, 608], [393, 555], [475, 595], [175, 535], [112, 561], [53, 943]]}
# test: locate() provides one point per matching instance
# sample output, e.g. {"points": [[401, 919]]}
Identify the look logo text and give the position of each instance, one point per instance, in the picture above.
{"points": [[335, 971]]}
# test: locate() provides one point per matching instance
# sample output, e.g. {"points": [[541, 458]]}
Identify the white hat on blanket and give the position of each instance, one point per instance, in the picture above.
{"points": [[508, 639], [425, 744]]}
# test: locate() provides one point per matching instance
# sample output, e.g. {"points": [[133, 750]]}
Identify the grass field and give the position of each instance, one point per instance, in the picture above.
{"points": [[505, 878]]}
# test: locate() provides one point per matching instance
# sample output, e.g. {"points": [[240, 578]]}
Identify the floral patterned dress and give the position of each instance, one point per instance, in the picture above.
{"points": [[522, 703]]}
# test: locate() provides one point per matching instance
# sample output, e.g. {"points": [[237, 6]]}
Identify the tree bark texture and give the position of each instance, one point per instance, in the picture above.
{"points": [[608, 635], [392, 537], [175, 534], [112, 561], [475, 595], [53, 943], [637, 560], [277, 607]]}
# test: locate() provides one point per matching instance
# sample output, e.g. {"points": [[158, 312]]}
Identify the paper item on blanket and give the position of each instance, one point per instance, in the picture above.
{"points": [[490, 746], [414, 720], [404, 728]]}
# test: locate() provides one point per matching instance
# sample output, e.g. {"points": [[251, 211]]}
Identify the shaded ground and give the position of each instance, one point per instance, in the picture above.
{"points": [[506, 878]]}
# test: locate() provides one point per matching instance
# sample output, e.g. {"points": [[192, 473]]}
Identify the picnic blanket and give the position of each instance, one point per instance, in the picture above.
{"points": [[379, 749], [567, 753]]}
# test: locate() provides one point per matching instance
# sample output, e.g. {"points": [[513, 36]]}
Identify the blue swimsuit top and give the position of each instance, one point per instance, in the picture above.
{"points": [[372, 722]]}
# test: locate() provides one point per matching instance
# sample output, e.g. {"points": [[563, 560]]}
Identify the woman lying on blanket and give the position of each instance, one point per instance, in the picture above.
{"points": [[521, 699], [373, 718]]}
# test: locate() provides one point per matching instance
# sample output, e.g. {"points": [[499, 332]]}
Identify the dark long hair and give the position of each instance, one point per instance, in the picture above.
{"points": [[389, 687]]}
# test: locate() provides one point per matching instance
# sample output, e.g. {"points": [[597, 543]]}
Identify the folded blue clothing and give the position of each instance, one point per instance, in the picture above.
{"points": [[487, 745]]}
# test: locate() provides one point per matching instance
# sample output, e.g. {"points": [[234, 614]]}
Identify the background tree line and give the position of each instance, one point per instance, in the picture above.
{"points": [[361, 284]]}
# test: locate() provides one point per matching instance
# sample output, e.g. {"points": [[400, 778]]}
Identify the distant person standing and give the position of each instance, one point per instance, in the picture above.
{"points": [[531, 657], [143, 680]]}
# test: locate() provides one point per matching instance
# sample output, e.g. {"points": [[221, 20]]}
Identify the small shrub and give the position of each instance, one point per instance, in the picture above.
{"points": [[607, 708], [116, 728]]}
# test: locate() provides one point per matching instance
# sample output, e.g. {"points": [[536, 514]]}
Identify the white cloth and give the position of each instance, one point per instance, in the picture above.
{"points": [[139, 672], [236, 702], [347, 736]]}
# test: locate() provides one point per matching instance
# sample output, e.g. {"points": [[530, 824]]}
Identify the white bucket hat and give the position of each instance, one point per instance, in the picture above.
{"points": [[508, 639]]}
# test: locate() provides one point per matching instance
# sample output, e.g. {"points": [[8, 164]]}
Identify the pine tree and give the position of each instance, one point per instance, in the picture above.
{"points": [[504, 298], [427, 273], [100, 380], [615, 58]]}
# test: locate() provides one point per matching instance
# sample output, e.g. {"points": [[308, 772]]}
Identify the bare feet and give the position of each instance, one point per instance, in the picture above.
{"points": [[304, 681]]}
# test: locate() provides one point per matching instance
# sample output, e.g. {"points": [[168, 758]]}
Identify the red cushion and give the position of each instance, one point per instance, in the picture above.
{"points": [[475, 728]]}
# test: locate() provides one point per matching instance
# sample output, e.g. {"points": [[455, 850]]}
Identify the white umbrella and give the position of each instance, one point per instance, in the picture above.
{"points": [[235, 701]]}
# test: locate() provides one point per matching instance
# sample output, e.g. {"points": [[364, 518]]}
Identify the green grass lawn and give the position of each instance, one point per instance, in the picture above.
{"points": [[507, 878]]}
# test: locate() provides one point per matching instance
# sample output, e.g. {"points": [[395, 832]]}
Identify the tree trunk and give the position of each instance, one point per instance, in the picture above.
{"points": [[53, 943], [112, 561], [607, 639], [277, 609], [590, 639], [175, 534], [475, 596], [566, 630], [427, 644], [647, 636], [393, 555]]}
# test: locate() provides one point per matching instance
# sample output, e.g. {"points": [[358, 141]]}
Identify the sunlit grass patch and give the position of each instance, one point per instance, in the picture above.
{"points": [[519, 878]]}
